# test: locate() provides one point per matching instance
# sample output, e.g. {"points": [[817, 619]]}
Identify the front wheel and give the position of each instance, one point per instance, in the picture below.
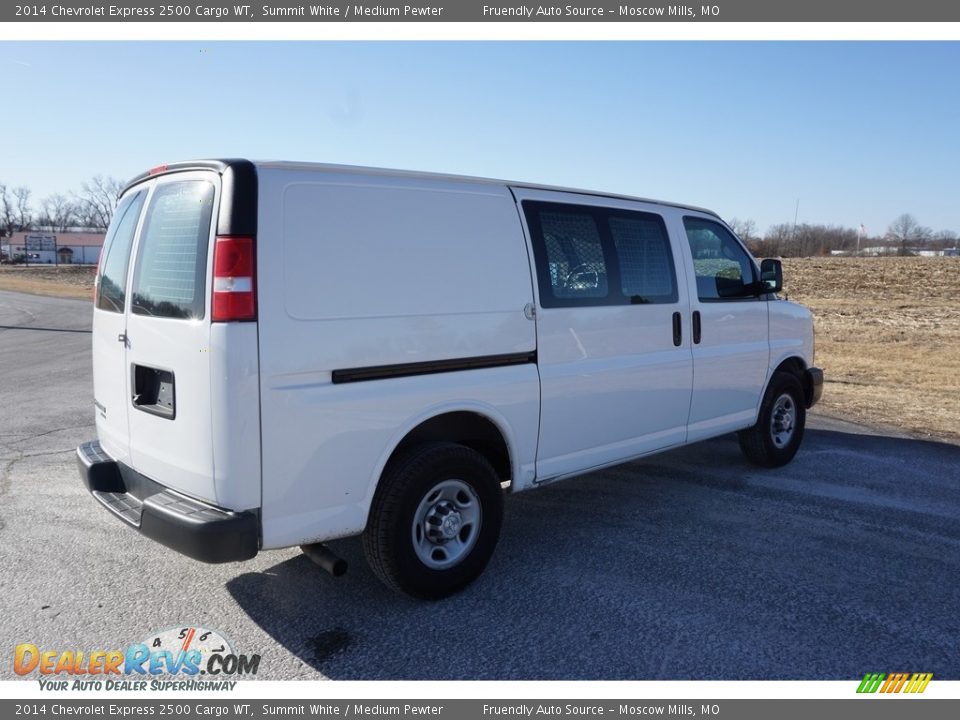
{"points": [[435, 520], [778, 432]]}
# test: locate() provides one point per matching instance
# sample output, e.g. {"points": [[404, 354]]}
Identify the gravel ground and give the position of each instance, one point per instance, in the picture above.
{"points": [[688, 565]]}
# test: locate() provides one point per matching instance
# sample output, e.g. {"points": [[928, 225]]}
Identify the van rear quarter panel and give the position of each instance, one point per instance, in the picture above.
{"points": [[360, 270]]}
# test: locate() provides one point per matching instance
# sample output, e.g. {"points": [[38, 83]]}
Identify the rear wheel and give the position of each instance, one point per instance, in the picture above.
{"points": [[778, 432], [435, 520]]}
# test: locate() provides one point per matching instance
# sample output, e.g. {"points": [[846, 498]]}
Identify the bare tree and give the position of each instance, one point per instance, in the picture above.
{"points": [[15, 212], [6, 211], [746, 230], [97, 200], [906, 231], [945, 239], [779, 240], [57, 213]]}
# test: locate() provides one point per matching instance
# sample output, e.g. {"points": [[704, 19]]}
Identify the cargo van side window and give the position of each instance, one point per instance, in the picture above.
{"points": [[170, 275], [112, 283], [574, 255], [721, 264], [592, 255], [646, 263]]}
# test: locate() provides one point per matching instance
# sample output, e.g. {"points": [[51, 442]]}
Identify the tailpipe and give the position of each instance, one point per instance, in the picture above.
{"points": [[325, 558]]}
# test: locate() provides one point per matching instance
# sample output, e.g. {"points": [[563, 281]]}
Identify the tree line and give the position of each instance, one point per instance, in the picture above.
{"points": [[903, 236], [92, 208], [89, 209]]}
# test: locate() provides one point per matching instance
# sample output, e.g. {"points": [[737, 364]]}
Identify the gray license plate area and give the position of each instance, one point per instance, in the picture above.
{"points": [[154, 391]]}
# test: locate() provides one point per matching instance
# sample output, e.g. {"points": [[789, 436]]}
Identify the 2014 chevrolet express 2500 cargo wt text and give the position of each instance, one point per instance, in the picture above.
{"points": [[289, 353]]}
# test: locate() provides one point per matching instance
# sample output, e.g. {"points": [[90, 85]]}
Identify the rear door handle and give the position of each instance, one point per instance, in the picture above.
{"points": [[677, 330], [696, 327]]}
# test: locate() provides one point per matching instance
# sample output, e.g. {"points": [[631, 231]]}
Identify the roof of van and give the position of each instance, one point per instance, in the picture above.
{"points": [[221, 165]]}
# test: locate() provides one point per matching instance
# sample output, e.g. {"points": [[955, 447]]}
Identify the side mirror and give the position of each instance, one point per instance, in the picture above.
{"points": [[771, 275], [728, 287]]}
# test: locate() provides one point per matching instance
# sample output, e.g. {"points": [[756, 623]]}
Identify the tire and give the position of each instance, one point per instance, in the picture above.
{"points": [[776, 436], [435, 520]]}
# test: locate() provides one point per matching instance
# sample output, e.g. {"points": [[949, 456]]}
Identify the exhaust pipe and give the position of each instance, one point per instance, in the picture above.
{"points": [[325, 558]]}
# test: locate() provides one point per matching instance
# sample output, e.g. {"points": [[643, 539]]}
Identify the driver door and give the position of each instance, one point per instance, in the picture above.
{"points": [[731, 348]]}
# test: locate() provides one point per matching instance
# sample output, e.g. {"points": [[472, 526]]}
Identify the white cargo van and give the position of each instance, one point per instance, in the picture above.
{"points": [[288, 353]]}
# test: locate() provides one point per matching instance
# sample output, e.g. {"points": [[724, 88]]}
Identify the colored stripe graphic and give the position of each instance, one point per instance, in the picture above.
{"points": [[918, 683], [898, 683], [894, 683], [870, 683]]}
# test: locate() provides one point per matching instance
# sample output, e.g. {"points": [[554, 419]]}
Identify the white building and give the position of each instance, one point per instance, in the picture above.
{"points": [[43, 248]]}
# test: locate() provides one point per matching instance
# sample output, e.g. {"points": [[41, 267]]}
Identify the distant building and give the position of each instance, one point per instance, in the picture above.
{"points": [[880, 250], [43, 248]]}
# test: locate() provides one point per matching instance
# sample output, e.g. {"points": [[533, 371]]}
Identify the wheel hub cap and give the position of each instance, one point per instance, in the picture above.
{"points": [[443, 522], [783, 421], [446, 524]]}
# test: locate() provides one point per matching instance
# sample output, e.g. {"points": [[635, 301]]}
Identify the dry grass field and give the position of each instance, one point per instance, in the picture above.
{"points": [[888, 333], [888, 339], [75, 281]]}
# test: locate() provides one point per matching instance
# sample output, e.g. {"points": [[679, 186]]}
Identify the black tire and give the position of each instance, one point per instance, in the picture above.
{"points": [[776, 437], [406, 541]]}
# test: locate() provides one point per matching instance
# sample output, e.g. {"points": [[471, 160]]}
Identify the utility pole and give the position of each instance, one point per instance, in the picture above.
{"points": [[793, 234]]}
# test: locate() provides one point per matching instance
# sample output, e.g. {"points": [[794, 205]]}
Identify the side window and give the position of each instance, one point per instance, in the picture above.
{"points": [[721, 264], [575, 265], [112, 283], [646, 263], [590, 255], [170, 276]]}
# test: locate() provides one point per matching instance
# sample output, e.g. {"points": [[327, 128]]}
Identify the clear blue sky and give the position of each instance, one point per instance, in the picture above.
{"points": [[857, 131]]}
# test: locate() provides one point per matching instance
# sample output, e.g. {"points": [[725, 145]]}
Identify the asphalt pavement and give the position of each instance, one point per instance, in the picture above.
{"points": [[688, 565]]}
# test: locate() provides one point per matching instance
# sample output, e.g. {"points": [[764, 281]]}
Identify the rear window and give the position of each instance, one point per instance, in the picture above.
{"points": [[112, 283], [170, 275]]}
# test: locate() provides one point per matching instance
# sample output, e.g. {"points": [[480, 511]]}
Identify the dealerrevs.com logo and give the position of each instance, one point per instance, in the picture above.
{"points": [[177, 658]]}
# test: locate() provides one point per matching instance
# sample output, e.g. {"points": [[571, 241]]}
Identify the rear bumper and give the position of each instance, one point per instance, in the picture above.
{"points": [[197, 530], [814, 385]]}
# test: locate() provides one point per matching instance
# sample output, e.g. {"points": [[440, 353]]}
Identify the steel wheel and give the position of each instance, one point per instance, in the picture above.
{"points": [[434, 520], [782, 420], [446, 524], [776, 436]]}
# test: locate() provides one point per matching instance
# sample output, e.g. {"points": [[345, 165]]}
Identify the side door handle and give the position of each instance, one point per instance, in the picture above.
{"points": [[677, 330], [696, 327]]}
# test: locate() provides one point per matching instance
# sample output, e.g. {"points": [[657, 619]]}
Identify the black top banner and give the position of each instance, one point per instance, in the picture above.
{"points": [[850, 11]]}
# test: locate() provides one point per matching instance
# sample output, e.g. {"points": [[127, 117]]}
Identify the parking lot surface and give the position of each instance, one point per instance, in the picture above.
{"points": [[687, 565]]}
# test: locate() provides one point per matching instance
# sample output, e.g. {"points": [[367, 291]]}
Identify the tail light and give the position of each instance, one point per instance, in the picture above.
{"points": [[234, 276]]}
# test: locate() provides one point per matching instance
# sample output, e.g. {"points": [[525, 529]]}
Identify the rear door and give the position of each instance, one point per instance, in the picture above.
{"points": [[110, 382], [168, 335]]}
